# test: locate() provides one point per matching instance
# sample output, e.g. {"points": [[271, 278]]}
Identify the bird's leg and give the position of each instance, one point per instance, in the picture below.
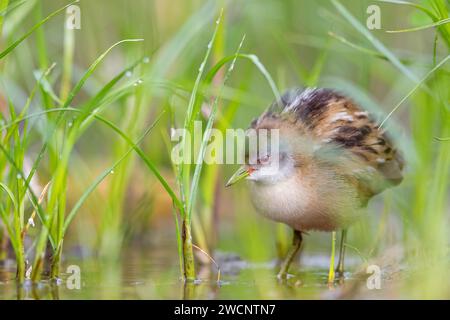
{"points": [[331, 269], [296, 243], [340, 268]]}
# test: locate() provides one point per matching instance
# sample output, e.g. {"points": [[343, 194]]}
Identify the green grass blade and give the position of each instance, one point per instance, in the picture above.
{"points": [[428, 26], [102, 176], [36, 26], [442, 139], [265, 73], [71, 96], [441, 12], [6, 7], [9, 193], [184, 169], [146, 160], [255, 60], [365, 50], [3, 10], [28, 102], [91, 69], [5, 218], [317, 68], [375, 42], [138, 150], [440, 64], [100, 96], [202, 151], [48, 92], [67, 67], [414, 5], [201, 70], [34, 198]]}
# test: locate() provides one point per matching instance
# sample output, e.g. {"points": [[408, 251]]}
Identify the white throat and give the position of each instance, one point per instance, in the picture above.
{"points": [[273, 172]]}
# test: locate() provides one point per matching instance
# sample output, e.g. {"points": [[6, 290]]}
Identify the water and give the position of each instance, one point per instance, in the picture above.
{"points": [[154, 274]]}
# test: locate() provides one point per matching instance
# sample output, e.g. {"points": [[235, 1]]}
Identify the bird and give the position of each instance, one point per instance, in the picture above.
{"points": [[332, 158]]}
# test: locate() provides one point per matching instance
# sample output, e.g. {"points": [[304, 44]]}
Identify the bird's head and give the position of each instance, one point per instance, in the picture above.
{"points": [[270, 167], [276, 157]]}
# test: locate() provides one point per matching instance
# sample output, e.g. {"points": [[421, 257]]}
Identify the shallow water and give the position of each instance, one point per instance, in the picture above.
{"points": [[155, 275]]}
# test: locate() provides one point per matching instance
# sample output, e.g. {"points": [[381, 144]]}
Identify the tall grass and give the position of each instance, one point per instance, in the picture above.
{"points": [[426, 228], [50, 114], [14, 145], [111, 235], [62, 135]]}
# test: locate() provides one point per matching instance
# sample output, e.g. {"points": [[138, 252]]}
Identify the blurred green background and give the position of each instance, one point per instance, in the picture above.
{"points": [[124, 236]]}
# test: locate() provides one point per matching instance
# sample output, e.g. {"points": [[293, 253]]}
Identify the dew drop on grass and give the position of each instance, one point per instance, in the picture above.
{"points": [[31, 222], [70, 124], [232, 65], [19, 176], [111, 172], [210, 45], [146, 60], [128, 74], [202, 66]]}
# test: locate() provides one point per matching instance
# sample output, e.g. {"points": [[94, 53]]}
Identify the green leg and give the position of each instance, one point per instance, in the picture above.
{"points": [[340, 268], [296, 243], [333, 253]]}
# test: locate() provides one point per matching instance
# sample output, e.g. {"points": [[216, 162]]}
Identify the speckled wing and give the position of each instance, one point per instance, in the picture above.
{"points": [[333, 119]]}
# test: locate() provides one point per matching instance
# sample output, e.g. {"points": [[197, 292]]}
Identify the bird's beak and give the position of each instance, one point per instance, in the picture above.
{"points": [[242, 173]]}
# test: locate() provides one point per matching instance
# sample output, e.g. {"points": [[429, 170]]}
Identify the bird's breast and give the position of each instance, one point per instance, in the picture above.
{"points": [[306, 204], [285, 201]]}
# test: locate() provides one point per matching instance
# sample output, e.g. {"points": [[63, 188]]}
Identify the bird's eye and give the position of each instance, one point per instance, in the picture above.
{"points": [[264, 160]]}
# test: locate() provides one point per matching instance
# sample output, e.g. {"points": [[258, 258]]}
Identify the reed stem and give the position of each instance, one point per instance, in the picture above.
{"points": [[188, 253], [56, 263], [21, 267], [331, 274]]}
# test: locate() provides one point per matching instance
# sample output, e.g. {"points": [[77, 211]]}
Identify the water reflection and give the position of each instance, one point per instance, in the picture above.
{"points": [[155, 276]]}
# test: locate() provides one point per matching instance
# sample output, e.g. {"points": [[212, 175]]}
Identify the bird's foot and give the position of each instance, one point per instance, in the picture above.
{"points": [[289, 279], [282, 276], [340, 272], [340, 276]]}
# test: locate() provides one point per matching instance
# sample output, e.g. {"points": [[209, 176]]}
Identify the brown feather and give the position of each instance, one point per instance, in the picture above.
{"points": [[335, 120]]}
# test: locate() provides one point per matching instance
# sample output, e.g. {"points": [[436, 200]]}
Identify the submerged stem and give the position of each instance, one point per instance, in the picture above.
{"points": [[20, 261], [188, 254], [56, 262]]}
